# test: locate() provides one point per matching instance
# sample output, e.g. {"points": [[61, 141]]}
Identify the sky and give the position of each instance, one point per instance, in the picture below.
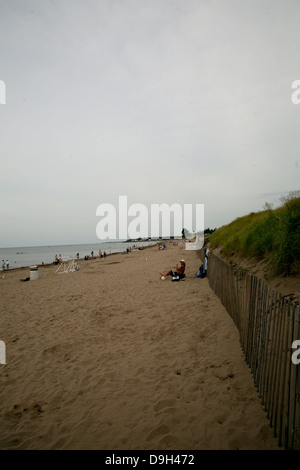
{"points": [[182, 101]]}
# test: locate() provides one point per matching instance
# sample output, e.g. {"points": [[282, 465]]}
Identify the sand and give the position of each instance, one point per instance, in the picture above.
{"points": [[112, 357]]}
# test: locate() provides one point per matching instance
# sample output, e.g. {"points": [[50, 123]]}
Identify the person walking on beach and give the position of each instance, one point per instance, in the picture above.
{"points": [[179, 270]]}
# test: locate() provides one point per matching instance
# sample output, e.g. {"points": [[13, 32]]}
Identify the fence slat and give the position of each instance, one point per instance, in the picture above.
{"points": [[270, 332]]}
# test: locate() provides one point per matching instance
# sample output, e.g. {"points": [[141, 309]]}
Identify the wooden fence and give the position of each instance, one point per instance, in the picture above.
{"points": [[268, 324]]}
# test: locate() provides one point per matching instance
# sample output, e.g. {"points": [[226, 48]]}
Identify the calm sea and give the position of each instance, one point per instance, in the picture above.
{"points": [[36, 255]]}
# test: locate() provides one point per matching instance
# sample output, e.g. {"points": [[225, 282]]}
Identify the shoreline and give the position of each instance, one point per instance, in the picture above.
{"points": [[39, 265]]}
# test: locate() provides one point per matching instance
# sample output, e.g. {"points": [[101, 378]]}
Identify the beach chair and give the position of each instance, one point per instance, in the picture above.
{"points": [[68, 265]]}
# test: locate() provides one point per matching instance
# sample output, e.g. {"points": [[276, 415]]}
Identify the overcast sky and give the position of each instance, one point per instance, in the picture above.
{"points": [[182, 101]]}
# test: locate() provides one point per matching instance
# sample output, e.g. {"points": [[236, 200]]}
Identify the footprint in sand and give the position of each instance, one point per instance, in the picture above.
{"points": [[18, 410], [164, 404], [158, 432]]}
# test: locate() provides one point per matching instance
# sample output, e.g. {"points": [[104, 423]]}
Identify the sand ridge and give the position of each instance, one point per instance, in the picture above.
{"points": [[112, 357]]}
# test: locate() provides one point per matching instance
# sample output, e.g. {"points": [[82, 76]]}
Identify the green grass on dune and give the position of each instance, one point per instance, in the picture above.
{"points": [[272, 234]]}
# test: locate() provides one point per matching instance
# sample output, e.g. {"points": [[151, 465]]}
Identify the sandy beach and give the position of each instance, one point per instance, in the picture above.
{"points": [[112, 357]]}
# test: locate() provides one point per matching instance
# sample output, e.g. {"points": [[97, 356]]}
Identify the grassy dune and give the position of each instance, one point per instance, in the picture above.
{"points": [[272, 234]]}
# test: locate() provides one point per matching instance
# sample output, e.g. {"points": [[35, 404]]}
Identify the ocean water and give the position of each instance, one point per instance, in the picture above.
{"points": [[19, 257]]}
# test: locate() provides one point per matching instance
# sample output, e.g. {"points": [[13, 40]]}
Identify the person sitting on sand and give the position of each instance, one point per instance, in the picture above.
{"points": [[179, 270], [202, 272], [203, 268]]}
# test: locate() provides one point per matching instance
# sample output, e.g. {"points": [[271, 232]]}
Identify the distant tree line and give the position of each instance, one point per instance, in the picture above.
{"points": [[207, 231]]}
